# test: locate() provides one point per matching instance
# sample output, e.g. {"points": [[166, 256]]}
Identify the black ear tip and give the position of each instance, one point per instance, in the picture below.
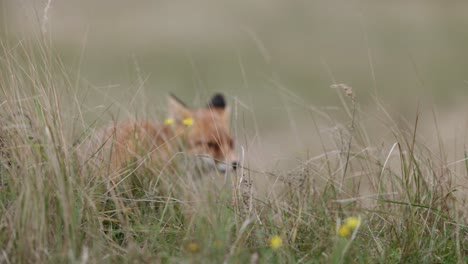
{"points": [[217, 101], [174, 97]]}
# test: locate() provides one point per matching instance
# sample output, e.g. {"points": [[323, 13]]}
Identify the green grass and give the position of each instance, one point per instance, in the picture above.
{"points": [[52, 210]]}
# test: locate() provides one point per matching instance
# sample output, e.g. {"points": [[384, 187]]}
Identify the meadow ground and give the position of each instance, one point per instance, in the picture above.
{"points": [[379, 193]]}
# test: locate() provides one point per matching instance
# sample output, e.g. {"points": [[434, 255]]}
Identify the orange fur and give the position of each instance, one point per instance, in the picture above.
{"points": [[209, 136]]}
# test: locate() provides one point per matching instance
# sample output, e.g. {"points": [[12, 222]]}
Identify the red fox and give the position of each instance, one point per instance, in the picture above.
{"points": [[203, 132]]}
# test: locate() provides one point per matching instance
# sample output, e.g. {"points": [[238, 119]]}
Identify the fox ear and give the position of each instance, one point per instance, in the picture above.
{"points": [[177, 109], [226, 114], [217, 101]]}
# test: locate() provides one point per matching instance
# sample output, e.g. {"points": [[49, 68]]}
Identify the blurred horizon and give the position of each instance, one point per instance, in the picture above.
{"points": [[214, 45]]}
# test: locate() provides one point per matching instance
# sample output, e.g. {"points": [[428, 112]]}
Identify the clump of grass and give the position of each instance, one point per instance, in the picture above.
{"points": [[54, 209]]}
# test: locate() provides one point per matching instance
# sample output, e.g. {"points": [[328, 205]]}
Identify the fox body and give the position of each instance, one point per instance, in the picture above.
{"points": [[203, 132]]}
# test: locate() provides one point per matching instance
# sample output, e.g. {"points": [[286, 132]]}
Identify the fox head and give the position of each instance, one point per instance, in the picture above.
{"points": [[205, 131]]}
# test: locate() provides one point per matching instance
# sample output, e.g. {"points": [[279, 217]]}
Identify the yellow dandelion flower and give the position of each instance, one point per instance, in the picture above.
{"points": [[188, 121], [193, 247], [344, 231], [276, 242], [352, 222], [169, 121]]}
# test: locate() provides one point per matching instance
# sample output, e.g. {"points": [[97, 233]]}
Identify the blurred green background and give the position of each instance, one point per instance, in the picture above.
{"points": [[258, 53]]}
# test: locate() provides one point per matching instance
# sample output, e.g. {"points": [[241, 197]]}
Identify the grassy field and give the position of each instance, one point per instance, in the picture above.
{"points": [[356, 202], [372, 175]]}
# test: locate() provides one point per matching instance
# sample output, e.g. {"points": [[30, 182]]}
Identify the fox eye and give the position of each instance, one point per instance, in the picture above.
{"points": [[212, 145]]}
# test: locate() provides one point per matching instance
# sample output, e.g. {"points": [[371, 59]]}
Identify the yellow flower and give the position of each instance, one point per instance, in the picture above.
{"points": [[188, 121], [352, 222], [349, 225], [276, 242], [344, 231], [193, 247], [169, 121]]}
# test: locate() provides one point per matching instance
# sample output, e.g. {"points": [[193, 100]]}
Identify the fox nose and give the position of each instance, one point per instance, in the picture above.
{"points": [[235, 165]]}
